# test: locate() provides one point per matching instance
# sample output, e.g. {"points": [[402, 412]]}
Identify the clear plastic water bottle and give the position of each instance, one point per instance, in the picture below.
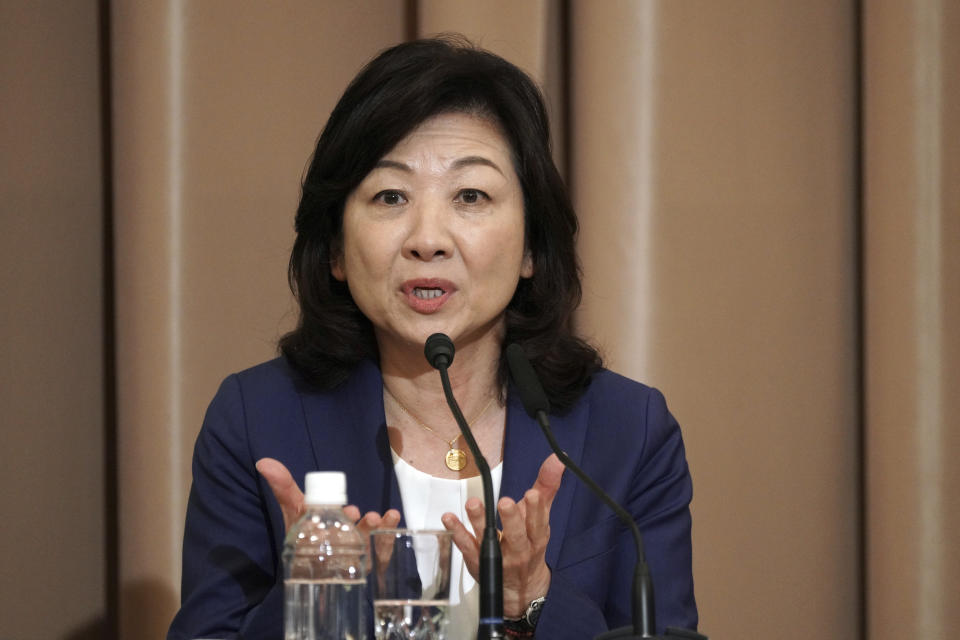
{"points": [[324, 572]]}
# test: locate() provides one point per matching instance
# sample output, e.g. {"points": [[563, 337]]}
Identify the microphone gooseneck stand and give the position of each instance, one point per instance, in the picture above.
{"points": [[537, 406], [439, 352]]}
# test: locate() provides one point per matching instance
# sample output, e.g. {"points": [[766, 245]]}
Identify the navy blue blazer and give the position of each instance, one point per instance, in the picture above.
{"points": [[619, 432]]}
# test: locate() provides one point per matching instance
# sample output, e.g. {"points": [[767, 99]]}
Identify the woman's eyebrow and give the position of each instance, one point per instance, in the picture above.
{"points": [[467, 161], [457, 164], [392, 164]]}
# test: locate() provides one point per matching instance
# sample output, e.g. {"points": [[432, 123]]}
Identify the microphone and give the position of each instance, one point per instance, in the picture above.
{"points": [[439, 352], [537, 406]]}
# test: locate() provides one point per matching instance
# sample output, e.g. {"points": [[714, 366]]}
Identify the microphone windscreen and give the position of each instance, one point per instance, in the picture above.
{"points": [[439, 350], [532, 395]]}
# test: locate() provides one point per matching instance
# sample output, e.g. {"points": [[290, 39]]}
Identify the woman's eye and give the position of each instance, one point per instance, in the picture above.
{"points": [[471, 196], [390, 198]]}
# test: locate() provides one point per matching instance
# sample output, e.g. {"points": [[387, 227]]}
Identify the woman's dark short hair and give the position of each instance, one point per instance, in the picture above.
{"points": [[397, 91]]}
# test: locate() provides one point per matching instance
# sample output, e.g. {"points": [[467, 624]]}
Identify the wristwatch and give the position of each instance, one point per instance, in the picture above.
{"points": [[525, 625]]}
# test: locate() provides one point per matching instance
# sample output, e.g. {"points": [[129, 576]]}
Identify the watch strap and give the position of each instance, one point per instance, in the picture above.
{"points": [[524, 626]]}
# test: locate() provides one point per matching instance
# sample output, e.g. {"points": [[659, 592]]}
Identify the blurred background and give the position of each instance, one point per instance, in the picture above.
{"points": [[770, 219]]}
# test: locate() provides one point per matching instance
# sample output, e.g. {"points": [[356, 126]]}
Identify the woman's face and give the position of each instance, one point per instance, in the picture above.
{"points": [[433, 237]]}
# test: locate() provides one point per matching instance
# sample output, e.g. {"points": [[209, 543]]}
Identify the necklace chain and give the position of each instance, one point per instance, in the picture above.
{"points": [[420, 422]]}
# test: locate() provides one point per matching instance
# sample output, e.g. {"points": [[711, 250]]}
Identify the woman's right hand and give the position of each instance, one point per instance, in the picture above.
{"points": [[290, 498]]}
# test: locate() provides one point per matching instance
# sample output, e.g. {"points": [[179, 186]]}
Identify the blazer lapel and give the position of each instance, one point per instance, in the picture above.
{"points": [[348, 432], [525, 449]]}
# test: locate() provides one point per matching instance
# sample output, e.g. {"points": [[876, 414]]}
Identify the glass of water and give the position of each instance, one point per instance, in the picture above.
{"points": [[411, 583]]}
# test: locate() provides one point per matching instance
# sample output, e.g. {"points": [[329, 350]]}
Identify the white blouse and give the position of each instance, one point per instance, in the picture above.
{"points": [[426, 498]]}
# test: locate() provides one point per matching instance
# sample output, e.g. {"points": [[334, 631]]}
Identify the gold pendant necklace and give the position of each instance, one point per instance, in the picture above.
{"points": [[455, 458]]}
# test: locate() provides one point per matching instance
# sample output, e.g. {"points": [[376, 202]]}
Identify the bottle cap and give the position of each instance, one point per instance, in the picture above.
{"points": [[326, 487]]}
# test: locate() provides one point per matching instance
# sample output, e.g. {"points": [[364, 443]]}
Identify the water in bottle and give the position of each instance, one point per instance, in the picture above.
{"points": [[324, 567]]}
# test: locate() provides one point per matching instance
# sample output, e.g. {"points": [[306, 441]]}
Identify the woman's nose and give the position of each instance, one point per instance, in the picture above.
{"points": [[429, 237]]}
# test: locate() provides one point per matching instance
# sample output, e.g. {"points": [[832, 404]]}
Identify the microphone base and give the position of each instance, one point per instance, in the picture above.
{"points": [[673, 633]]}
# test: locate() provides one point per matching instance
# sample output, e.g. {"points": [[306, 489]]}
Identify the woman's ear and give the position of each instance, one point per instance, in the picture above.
{"points": [[526, 267], [336, 266]]}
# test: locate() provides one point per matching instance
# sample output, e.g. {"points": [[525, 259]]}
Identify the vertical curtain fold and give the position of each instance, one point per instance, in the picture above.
{"points": [[147, 46], [614, 95], [912, 293]]}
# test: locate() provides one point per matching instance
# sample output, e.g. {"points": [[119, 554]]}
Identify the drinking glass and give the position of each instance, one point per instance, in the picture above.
{"points": [[411, 583]]}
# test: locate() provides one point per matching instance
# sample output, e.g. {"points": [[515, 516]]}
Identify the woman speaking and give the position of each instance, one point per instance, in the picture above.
{"points": [[432, 204]]}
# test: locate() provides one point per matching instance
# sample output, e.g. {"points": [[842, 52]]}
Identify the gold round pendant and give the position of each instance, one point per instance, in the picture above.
{"points": [[456, 459]]}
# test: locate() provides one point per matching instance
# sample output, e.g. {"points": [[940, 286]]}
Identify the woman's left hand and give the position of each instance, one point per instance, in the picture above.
{"points": [[526, 531]]}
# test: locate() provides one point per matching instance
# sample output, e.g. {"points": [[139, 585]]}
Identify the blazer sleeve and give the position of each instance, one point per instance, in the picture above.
{"points": [[230, 585], [591, 584]]}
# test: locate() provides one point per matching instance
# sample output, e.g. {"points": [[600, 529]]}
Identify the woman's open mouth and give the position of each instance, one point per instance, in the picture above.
{"points": [[427, 295]]}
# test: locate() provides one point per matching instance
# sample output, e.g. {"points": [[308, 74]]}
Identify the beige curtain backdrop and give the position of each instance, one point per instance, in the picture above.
{"points": [[769, 235]]}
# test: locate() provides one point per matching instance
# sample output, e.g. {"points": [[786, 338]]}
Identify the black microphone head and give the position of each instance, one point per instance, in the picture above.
{"points": [[439, 350], [532, 395]]}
